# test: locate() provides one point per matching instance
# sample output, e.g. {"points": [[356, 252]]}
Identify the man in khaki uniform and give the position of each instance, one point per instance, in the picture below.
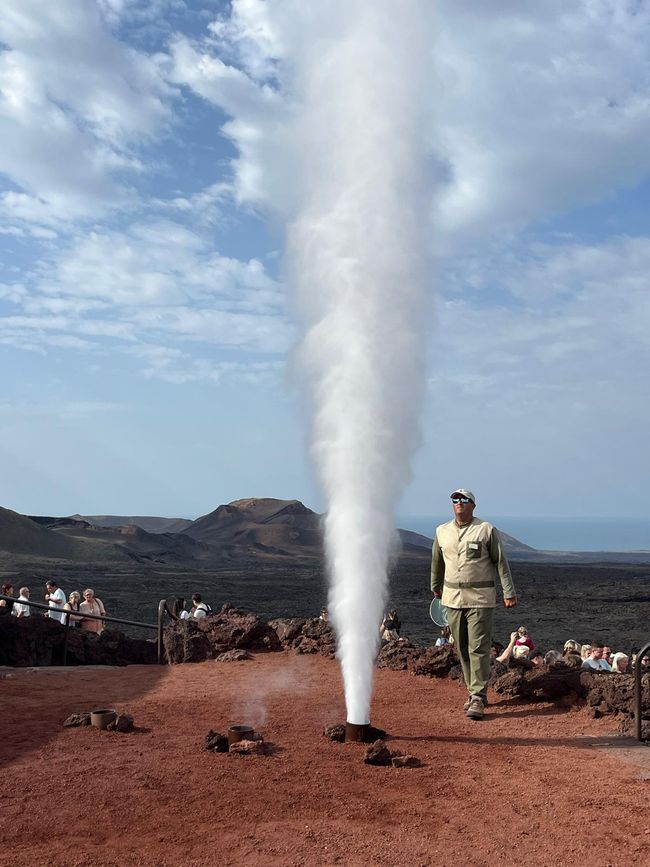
{"points": [[466, 559]]}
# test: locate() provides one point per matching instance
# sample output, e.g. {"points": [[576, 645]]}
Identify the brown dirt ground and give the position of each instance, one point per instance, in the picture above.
{"points": [[530, 783]]}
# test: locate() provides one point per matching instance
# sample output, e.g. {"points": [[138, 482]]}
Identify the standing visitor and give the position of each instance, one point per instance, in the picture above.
{"points": [[20, 609], [7, 590], [466, 560], [92, 605], [72, 606], [55, 597]]}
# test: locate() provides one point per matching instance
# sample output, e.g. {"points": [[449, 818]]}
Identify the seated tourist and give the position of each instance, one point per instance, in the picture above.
{"points": [[92, 605], [504, 657], [524, 639], [390, 626], [571, 646], [585, 650], [595, 661], [620, 663], [444, 637], [538, 657], [571, 653], [199, 607], [20, 609], [324, 615], [552, 657]]}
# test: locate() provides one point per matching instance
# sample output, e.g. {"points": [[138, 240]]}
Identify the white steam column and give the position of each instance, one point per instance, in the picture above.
{"points": [[357, 262]]}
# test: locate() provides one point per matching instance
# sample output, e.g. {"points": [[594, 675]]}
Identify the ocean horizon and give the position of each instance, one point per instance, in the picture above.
{"points": [[556, 533]]}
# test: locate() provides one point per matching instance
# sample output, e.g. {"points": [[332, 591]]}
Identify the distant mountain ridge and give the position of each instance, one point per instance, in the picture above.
{"points": [[243, 529], [152, 524]]}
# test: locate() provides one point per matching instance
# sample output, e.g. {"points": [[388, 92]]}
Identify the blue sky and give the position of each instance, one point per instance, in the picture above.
{"points": [[145, 325]]}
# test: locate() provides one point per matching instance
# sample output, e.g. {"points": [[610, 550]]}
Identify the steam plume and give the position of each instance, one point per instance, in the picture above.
{"points": [[356, 260]]}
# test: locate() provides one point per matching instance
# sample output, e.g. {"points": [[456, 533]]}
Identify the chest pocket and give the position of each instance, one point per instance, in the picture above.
{"points": [[474, 550]]}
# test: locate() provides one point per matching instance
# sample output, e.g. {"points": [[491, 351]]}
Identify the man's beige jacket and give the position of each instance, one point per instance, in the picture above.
{"points": [[465, 563]]}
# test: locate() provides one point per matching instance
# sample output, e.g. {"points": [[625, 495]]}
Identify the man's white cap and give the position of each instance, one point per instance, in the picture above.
{"points": [[463, 492]]}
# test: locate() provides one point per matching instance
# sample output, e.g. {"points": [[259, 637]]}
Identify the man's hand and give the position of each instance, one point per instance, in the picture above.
{"points": [[436, 594], [510, 603]]}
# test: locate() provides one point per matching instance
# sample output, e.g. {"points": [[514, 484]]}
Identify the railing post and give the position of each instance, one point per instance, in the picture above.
{"points": [[638, 691], [161, 617], [66, 624]]}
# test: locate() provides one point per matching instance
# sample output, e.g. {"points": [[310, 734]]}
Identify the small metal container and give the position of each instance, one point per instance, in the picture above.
{"points": [[357, 733], [102, 717], [240, 733]]}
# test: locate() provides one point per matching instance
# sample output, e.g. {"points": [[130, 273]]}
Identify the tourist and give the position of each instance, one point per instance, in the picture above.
{"points": [[571, 646], [92, 605], [199, 607], [7, 590], [506, 653], [324, 615], [444, 637], [620, 662], [524, 639], [72, 606], [471, 549], [391, 626], [55, 597], [20, 609], [520, 652], [552, 656], [595, 661], [538, 657], [607, 654], [585, 650], [571, 653]]}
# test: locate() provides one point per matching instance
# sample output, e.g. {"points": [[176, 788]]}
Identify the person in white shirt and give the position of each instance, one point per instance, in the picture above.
{"points": [[20, 609], [199, 608], [595, 661], [55, 597]]}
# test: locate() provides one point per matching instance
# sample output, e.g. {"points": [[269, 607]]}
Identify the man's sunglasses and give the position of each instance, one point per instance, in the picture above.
{"points": [[461, 500]]}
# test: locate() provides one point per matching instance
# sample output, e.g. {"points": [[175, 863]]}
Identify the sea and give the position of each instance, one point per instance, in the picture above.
{"points": [[556, 534]]}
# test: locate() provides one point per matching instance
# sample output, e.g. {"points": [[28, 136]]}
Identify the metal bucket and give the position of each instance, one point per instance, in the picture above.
{"points": [[240, 733], [102, 717], [357, 733]]}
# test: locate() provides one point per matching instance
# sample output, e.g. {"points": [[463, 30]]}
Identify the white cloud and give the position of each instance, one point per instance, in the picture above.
{"points": [[177, 367], [74, 101], [538, 107], [153, 281], [576, 336]]}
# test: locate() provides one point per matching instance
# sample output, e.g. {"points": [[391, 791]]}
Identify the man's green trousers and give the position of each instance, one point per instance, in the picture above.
{"points": [[471, 629]]}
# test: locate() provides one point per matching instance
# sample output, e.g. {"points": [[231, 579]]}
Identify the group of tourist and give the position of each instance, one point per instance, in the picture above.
{"points": [[591, 657], [73, 610]]}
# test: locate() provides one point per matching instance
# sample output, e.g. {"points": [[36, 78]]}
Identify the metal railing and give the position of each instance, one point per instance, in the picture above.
{"points": [[162, 611], [638, 692]]}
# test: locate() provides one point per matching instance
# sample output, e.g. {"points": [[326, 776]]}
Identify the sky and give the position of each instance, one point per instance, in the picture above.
{"points": [[146, 325]]}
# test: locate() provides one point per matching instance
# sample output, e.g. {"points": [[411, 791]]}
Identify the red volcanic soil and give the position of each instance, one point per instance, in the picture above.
{"points": [[530, 783]]}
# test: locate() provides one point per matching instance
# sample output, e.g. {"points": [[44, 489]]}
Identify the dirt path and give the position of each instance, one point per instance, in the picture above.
{"points": [[526, 784]]}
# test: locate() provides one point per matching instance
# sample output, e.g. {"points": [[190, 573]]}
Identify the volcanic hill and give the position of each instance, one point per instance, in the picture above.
{"points": [[238, 531]]}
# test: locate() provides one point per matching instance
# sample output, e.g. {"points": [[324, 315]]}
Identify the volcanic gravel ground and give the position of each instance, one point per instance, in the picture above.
{"points": [[530, 783]]}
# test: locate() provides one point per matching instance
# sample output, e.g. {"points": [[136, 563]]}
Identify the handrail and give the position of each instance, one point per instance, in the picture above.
{"points": [[104, 617], [85, 616], [638, 692]]}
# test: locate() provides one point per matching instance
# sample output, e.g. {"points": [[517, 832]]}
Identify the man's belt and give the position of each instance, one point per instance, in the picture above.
{"points": [[471, 584]]}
